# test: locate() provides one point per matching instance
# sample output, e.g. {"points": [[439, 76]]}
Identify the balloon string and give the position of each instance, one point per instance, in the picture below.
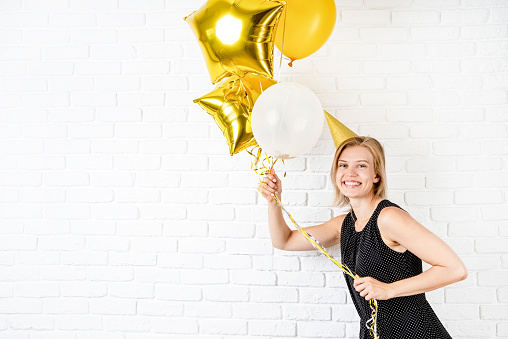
{"points": [[317, 245], [189, 15], [283, 38]]}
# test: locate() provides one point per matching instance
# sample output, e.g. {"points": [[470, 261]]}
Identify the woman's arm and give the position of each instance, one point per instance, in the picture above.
{"points": [[399, 227], [328, 234]]}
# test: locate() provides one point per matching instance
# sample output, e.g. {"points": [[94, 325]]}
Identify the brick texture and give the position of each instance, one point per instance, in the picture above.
{"points": [[123, 216]]}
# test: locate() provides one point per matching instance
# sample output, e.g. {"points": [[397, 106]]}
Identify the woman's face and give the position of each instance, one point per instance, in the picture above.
{"points": [[355, 175]]}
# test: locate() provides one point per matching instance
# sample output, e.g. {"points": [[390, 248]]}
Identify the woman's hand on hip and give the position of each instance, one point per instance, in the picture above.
{"points": [[370, 288]]}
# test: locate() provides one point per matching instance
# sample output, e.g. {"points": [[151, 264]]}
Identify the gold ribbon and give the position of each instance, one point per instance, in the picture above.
{"points": [[264, 166]]}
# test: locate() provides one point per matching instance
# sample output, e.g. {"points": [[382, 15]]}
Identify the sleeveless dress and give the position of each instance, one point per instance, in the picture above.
{"points": [[365, 253]]}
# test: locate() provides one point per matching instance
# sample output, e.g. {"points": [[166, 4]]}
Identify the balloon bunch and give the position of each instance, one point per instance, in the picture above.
{"points": [[237, 39]]}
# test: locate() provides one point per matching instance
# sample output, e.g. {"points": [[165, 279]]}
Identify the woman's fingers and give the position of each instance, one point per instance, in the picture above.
{"points": [[270, 181], [370, 288], [270, 186], [363, 286], [358, 281], [364, 290], [358, 285], [270, 178], [266, 190]]}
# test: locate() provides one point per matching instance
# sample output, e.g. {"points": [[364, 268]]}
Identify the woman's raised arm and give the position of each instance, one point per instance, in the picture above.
{"points": [[328, 234]]}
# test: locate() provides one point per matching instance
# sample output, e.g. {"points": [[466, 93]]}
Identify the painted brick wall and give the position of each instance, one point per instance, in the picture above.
{"points": [[124, 217]]}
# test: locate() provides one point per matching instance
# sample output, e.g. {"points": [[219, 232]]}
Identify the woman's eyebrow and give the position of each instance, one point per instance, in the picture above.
{"points": [[361, 160]]}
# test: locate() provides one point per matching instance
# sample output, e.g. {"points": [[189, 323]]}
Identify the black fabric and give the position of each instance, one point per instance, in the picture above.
{"points": [[367, 255]]}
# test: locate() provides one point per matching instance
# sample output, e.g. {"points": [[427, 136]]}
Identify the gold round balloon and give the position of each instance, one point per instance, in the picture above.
{"points": [[236, 36], [304, 27], [230, 104]]}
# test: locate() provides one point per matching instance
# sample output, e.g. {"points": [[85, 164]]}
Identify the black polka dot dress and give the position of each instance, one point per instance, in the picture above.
{"points": [[367, 255]]}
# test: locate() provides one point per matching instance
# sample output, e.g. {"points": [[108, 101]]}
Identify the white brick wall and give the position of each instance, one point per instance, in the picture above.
{"points": [[122, 216]]}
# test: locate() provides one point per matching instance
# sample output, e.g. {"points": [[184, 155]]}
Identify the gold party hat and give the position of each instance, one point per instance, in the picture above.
{"points": [[338, 130]]}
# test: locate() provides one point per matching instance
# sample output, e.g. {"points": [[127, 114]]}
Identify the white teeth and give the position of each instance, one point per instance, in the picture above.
{"points": [[349, 183]]}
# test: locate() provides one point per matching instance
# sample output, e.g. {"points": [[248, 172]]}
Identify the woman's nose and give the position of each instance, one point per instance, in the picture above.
{"points": [[351, 172]]}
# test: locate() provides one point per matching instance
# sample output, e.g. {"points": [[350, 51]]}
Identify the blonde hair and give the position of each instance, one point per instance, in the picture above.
{"points": [[380, 188]]}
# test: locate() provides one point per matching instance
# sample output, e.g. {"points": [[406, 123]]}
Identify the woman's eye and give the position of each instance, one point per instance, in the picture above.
{"points": [[342, 166]]}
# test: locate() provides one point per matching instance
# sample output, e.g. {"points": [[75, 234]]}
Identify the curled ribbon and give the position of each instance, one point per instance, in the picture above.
{"points": [[372, 322], [262, 166]]}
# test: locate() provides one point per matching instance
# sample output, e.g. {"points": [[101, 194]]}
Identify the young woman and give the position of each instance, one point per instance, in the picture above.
{"points": [[379, 241]]}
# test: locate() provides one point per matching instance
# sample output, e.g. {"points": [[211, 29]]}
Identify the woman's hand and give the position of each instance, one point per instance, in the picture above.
{"points": [[272, 185], [371, 288]]}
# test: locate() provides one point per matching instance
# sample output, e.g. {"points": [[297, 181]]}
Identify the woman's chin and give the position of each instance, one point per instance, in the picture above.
{"points": [[355, 195]]}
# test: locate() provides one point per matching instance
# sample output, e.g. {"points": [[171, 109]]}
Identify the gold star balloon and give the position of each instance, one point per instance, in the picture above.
{"points": [[230, 104], [236, 36]]}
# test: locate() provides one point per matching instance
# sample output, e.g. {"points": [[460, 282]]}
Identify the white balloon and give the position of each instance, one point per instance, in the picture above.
{"points": [[287, 120]]}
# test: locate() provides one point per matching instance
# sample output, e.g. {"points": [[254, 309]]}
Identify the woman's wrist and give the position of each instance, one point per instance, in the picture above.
{"points": [[273, 203], [392, 290]]}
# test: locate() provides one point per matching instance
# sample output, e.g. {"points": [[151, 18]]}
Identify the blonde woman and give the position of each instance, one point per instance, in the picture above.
{"points": [[379, 241]]}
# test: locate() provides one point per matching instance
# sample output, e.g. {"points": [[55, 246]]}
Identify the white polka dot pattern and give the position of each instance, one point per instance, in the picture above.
{"points": [[366, 254]]}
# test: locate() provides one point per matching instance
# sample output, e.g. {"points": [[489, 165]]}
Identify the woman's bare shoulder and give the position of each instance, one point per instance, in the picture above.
{"points": [[392, 214], [393, 221]]}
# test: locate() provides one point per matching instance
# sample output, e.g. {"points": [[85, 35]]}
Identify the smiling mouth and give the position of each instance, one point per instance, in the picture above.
{"points": [[351, 184]]}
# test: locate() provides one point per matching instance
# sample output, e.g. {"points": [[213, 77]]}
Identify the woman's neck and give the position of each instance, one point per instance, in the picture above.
{"points": [[364, 208]]}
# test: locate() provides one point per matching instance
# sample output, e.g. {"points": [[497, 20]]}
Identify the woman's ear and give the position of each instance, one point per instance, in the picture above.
{"points": [[377, 178]]}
